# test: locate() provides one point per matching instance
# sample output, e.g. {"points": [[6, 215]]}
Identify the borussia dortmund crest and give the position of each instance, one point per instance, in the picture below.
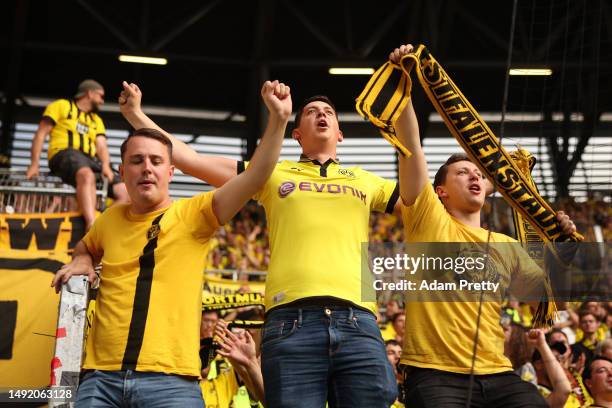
{"points": [[153, 232]]}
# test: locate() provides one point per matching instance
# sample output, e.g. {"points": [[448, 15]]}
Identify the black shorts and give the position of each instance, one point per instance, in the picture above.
{"points": [[66, 163]]}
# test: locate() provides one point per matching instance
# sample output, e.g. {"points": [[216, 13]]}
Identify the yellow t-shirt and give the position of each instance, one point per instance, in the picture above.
{"points": [[73, 128], [571, 402], [159, 311], [440, 335], [388, 332], [317, 220], [220, 384], [600, 335]]}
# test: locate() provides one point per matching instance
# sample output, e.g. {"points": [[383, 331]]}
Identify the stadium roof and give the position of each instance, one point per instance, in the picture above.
{"points": [[220, 51]]}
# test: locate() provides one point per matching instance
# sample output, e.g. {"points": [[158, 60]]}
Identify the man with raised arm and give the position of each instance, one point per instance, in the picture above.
{"points": [[320, 341], [438, 354], [143, 348]]}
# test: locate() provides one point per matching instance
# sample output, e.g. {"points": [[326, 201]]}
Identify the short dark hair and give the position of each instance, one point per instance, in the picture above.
{"points": [[587, 374], [556, 330], [151, 134], [440, 177], [396, 316], [399, 302], [586, 313], [215, 312], [322, 98], [392, 342]]}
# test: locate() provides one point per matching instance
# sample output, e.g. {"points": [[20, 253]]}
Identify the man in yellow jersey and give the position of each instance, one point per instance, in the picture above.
{"points": [[77, 137], [320, 341], [219, 382], [439, 340], [143, 347], [591, 335]]}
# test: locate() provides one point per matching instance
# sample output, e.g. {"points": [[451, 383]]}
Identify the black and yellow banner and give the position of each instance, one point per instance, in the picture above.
{"points": [[232, 301], [28, 310], [32, 248], [382, 108], [221, 287], [41, 234]]}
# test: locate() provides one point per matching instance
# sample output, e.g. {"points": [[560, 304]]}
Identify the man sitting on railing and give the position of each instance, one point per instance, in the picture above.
{"points": [[77, 137]]}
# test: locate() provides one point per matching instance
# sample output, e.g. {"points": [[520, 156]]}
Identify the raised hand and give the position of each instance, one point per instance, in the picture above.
{"points": [[536, 338], [580, 363], [239, 348], [396, 55], [130, 99], [277, 97], [565, 222]]}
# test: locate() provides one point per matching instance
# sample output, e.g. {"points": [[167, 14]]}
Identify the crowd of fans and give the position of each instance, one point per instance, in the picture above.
{"points": [[586, 215], [581, 337], [570, 364], [242, 244], [560, 361]]}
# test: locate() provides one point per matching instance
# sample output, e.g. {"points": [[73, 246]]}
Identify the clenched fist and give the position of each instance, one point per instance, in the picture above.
{"points": [[277, 97]]}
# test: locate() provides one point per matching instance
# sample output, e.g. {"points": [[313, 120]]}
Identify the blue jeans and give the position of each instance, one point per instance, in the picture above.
{"points": [[138, 389], [316, 354]]}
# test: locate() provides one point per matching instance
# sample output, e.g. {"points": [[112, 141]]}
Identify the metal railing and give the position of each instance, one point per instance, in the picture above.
{"points": [[235, 273], [42, 194]]}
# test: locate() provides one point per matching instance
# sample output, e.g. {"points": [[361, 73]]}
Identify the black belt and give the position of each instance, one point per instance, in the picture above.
{"points": [[320, 301]]}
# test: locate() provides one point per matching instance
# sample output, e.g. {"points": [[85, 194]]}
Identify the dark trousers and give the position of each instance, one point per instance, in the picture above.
{"points": [[428, 388]]}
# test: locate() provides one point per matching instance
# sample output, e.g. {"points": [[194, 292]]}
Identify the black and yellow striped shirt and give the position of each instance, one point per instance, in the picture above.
{"points": [[149, 304], [73, 128]]}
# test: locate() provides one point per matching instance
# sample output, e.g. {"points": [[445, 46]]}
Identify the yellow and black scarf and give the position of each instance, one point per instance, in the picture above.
{"points": [[384, 98], [386, 95]]}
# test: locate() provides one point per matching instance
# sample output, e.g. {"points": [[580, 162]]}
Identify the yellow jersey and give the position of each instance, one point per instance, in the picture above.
{"points": [[149, 304], [571, 402], [317, 215], [220, 385], [600, 335], [439, 335], [73, 129], [388, 332]]}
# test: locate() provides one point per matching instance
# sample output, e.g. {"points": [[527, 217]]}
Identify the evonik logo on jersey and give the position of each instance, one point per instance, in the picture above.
{"points": [[82, 128], [288, 187]]}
